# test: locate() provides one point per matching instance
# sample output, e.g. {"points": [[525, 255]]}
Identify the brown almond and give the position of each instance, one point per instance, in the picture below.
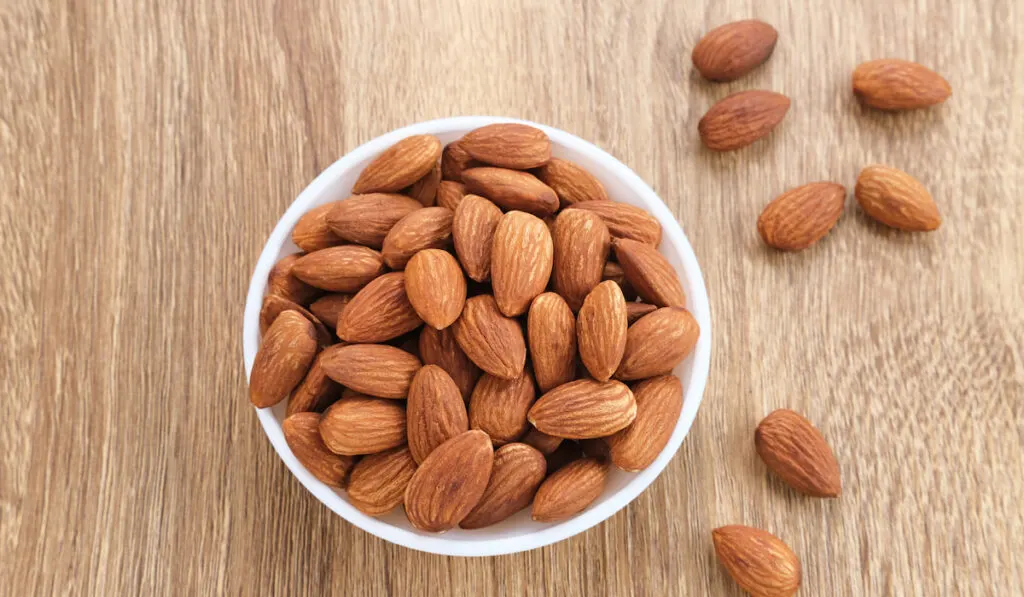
{"points": [[551, 328], [312, 233], [511, 190], [896, 199], [634, 311], [302, 433], [657, 343], [379, 312], [614, 272], [450, 194], [400, 165], [625, 221], [329, 308], [758, 561], [455, 159], [601, 330], [730, 51], [363, 425], [742, 118], [891, 84], [492, 341], [283, 359], [583, 409], [436, 287], [802, 216], [797, 452], [499, 406], [438, 347], [569, 490], [274, 305], [435, 411], [367, 219], [374, 369], [424, 190], [649, 273], [427, 228], [518, 471], [544, 443], [283, 283], [450, 482], [521, 261], [473, 228], [659, 401], [581, 242], [508, 145], [378, 481], [317, 391], [571, 182], [340, 269]]}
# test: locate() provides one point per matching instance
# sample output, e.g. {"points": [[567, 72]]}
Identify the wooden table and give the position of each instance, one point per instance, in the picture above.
{"points": [[147, 149]]}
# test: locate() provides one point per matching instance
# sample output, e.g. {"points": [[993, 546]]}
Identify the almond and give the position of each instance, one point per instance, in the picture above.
{"points": [[730, 51], [367, 219], [581, 242], [508, 145], [583, 409], [436, 287], [570, 490], [521, 261], [283, 359], [340, 269], [896, 199], [601, 330], [649, 273], [551, 328], [302, 432], [742, 118], [614, 272], [427, 228], [379, 312], [274, 305], [499, 406], [374, 369], [517, 473], [424, 190], [634, 311], [659, 401], [796, 451], [571, 182], [473, 228], [512, 190], [312, 233], [544, 443], [625, 221], [317, 391], [435, 411], [450, 482], [455, 159], [891, 84], [363, 425], [438, 347], [283, 283], [492, 341], [329, 308], [758, 561], [449, 194], [802, 216], [378, 482], [657, 343], [400, 165]]}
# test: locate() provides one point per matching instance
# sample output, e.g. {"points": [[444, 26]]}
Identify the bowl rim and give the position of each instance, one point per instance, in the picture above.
{"points": [[697, 304]]}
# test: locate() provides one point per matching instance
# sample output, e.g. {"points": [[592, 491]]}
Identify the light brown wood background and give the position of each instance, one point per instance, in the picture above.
{"points": [[148, 148]]}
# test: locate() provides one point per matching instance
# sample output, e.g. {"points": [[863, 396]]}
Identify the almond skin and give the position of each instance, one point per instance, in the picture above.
{"points": [[312, 233], [427, 228], [274, 305], [625, 221], [435, 411], [378, 482], [283, 359], [571, 182], [570, 490], [492, 341], [649, 273], [400, 165], [379, 312], [742, 118], [302, 432], [450, 194], [339, 269], [657, 343], [659, 401], [521, 259], [363, 425], [758, 561], [367, 219], [730, 51], [802, 216], [544, 443], [283, 283], [614, 272], [511, 190], [473, 228], [329, 308], [551, 328], [601, 330], [518, 471], [584, 409], [424, 190], [317, 391], [436, 287], [796, 451], [438, 347], [499, 406], [508, 145], [581, 242], [374, 369], [891, 84], [455, 159], [634, 311], [450, 482], [896, 199]]}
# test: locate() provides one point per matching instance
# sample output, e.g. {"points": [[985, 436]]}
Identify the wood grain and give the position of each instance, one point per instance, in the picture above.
{"points": [[148, 148]]}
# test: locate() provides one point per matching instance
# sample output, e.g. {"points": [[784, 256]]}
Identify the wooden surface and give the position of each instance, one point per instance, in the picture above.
{"points": [[148, 148]]}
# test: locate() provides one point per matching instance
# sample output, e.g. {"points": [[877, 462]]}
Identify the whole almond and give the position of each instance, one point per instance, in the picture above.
{"points": [[435, 411], [657, 343], [659, 401], [730, 51], [583, 409], [492, 341], [427, 228], [473, 228], [896, 199], [400, 165], [601, 330], [544, 443], [511, 190], [551, 328], [274, 305], [521, 261], [455, 159], [283, 359], [438, 347], [649, 273], [742, 118], [436, 287], [378, 481], [571, 182], [450, 482], [796, 451], [508, 145], [499, 406], [450, 194], [283, 283], [424, 190], [758, 561], [518, 471], [625, 220], [312, 233], [569, 491], [891, 84], [329, 308], [802, 216], [302, 433], [374, 369], [581, 242], [339, 269], [634, 311], [367, 219], [317, 391], [379, 312], [363, 425]]}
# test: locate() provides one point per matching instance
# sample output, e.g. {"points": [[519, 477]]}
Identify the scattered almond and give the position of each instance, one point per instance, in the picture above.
{"points": [[891, 84], [796, 451], [802, 216], [400, 165], [742, 118], [758, 561], [450, 482], [732, 50], [896, 199]]}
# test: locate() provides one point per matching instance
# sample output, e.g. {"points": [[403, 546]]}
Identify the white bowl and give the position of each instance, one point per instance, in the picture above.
{"points": [[520, 532]]}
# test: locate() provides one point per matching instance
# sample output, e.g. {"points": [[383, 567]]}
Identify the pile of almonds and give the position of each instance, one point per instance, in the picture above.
{"points": [[457, 336]]}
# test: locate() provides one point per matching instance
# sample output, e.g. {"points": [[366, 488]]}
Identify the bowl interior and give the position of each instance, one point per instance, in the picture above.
{"points": [[519, 532]]}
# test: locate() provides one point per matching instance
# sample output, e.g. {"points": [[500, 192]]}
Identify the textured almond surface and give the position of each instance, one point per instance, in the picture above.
{"points": [[732, 50], [742, 118], [499, 406], [581, 241], [601, 330], [625, 220], [473, 228], [659, 401], [427, 228], [571, 182], [896, 199], [649, 273], [283, 283], [379, 312], [378, 482], [521, 261], [367, 219], [450, 482], [436, 287], [302, 433], [424, 190], [657, 343], [317, 391], [455, 159], [891, 84], [797, 452], [329, 308], [283, 359], [274, 305], [400, 165], [551, 328], [511, 190], [518, 471], [493, 342], [570, 490], [802, 216], [363, 425], [340, 269], [758, 561], [312, 233], [450, 194], [435, 411], [583, 409], [439, 347], [374, 369], [508, 145]]}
